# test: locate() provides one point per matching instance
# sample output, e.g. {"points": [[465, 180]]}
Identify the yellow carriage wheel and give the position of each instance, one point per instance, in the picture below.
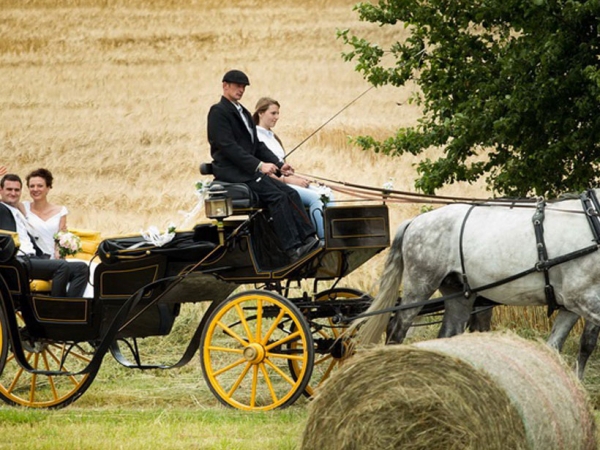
{"points": [[331, 351], [21, 388], [246, 347]]}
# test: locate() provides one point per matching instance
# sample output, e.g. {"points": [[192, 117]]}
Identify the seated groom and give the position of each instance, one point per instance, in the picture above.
{"points": [[62, 273]]}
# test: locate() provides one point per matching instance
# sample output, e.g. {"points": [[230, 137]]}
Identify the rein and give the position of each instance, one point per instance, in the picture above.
{"points": [[372, 193]]}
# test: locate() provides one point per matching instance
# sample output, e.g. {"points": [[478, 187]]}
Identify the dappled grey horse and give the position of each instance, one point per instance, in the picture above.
{"points": [[490, 250]]}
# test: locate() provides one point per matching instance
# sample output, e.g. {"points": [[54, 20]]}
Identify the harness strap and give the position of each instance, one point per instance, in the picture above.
{"points": [[549, 263], [589, 201], [538, 227], [466, 288]]}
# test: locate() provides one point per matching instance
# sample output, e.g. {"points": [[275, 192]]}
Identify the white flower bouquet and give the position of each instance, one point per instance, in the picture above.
{"points": [[67, 243], [324, 192], [388, 185]]}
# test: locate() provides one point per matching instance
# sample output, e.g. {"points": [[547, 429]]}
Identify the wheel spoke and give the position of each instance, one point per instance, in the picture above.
{"points": [[328, 371], [240, 312], [59, 366], [232, 333], [273, 327], [324, 359], [229, 367], [50, 378], [282, 341], [283, 375], [80, 355], [214, 348], [268, 383], [239, 380], [33, 385], [254, 385], [285, 356]]}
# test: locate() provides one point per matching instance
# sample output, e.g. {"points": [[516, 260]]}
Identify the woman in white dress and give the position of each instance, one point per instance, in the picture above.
{"points": [[266, 115], [47, 219]]}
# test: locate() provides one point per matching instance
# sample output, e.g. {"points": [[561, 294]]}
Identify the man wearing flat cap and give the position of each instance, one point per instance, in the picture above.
{"points": [[240, 157]]}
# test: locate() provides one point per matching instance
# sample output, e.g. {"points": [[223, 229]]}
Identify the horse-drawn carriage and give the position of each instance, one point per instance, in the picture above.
{"points": [[260, 348], [263, 347]]}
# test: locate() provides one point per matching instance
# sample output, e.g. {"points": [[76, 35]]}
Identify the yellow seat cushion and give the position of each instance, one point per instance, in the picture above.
{"points": [[90, 240], [40, 286]]}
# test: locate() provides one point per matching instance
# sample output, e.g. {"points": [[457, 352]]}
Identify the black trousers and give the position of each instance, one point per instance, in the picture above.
{"points": [[290, 220], [61, 272]]}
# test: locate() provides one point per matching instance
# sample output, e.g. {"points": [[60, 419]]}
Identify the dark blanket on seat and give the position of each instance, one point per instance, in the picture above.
{"points": [[183, 248]]}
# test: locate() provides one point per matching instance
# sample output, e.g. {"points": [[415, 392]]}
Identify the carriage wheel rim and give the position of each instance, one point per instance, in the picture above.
{"points": [[255, 352], [20, 388]]}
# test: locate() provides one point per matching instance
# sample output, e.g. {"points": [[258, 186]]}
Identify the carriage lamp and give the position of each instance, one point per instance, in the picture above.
{"points": [[218, 205]]}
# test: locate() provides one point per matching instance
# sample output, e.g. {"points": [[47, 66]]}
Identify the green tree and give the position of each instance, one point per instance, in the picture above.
{"points": [[510, 90]]}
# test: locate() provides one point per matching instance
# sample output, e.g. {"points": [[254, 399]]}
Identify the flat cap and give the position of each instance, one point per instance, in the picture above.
{"points": [[236, 76]]}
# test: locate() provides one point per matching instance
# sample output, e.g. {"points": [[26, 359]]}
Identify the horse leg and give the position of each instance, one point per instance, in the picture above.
{"points": [[456, 315], [399, 324], [481, 319], [587, 344], [563, 324]]}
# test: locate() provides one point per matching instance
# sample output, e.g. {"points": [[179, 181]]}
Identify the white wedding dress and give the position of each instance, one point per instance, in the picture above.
{"points": [[45, 231]]}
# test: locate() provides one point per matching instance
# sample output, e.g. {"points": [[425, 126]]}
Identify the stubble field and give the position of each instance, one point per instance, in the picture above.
{"points": [[112, 97]]}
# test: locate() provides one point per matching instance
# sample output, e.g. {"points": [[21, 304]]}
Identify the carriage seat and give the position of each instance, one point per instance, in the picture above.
{"points": [[242, 197], [89, 244]]}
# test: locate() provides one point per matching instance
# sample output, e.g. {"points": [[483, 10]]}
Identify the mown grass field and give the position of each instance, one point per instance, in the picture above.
{"points": [[112, 97]]}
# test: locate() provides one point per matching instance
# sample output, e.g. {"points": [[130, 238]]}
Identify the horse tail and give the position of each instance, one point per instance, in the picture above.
{"points": [[389, 284]]}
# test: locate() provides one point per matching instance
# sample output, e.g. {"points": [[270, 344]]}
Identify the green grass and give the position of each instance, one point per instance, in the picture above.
{"points": [[167, 409], [174, 409], [150, 428]]}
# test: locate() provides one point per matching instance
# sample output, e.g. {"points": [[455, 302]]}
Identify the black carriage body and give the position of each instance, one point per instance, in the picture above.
{"points": [[46, 317], [139, 289], [354, 234]]}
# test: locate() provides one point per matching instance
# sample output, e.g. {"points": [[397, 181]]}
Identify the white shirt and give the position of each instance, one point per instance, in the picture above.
{"points": [[23, 231], [268, 138]]}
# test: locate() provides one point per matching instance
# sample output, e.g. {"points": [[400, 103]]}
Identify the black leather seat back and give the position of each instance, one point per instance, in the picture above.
{"points": [[243, 199]]}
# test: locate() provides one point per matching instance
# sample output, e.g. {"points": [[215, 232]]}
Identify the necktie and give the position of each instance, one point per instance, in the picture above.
{"points": [[245, 119]]}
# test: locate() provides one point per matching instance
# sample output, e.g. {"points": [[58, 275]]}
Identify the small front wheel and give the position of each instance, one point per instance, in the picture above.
{"points": [[246, 349]]}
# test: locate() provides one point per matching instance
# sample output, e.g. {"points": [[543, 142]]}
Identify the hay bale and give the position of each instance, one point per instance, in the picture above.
{"points": [[488, 390]]}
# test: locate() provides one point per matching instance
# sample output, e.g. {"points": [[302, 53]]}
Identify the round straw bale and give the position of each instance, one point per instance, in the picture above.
{"points": [[497, 391]]}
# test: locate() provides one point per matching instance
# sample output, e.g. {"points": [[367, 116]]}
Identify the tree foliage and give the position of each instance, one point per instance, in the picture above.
{"points": [[510, 90]]}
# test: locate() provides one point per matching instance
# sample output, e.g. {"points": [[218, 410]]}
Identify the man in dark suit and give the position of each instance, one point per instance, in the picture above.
{"points": [[239, 157], [61, 272]]}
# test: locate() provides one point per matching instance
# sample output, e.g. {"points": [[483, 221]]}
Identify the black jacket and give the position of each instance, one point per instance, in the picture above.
{"points": [[7, 221], [235, 155]]}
